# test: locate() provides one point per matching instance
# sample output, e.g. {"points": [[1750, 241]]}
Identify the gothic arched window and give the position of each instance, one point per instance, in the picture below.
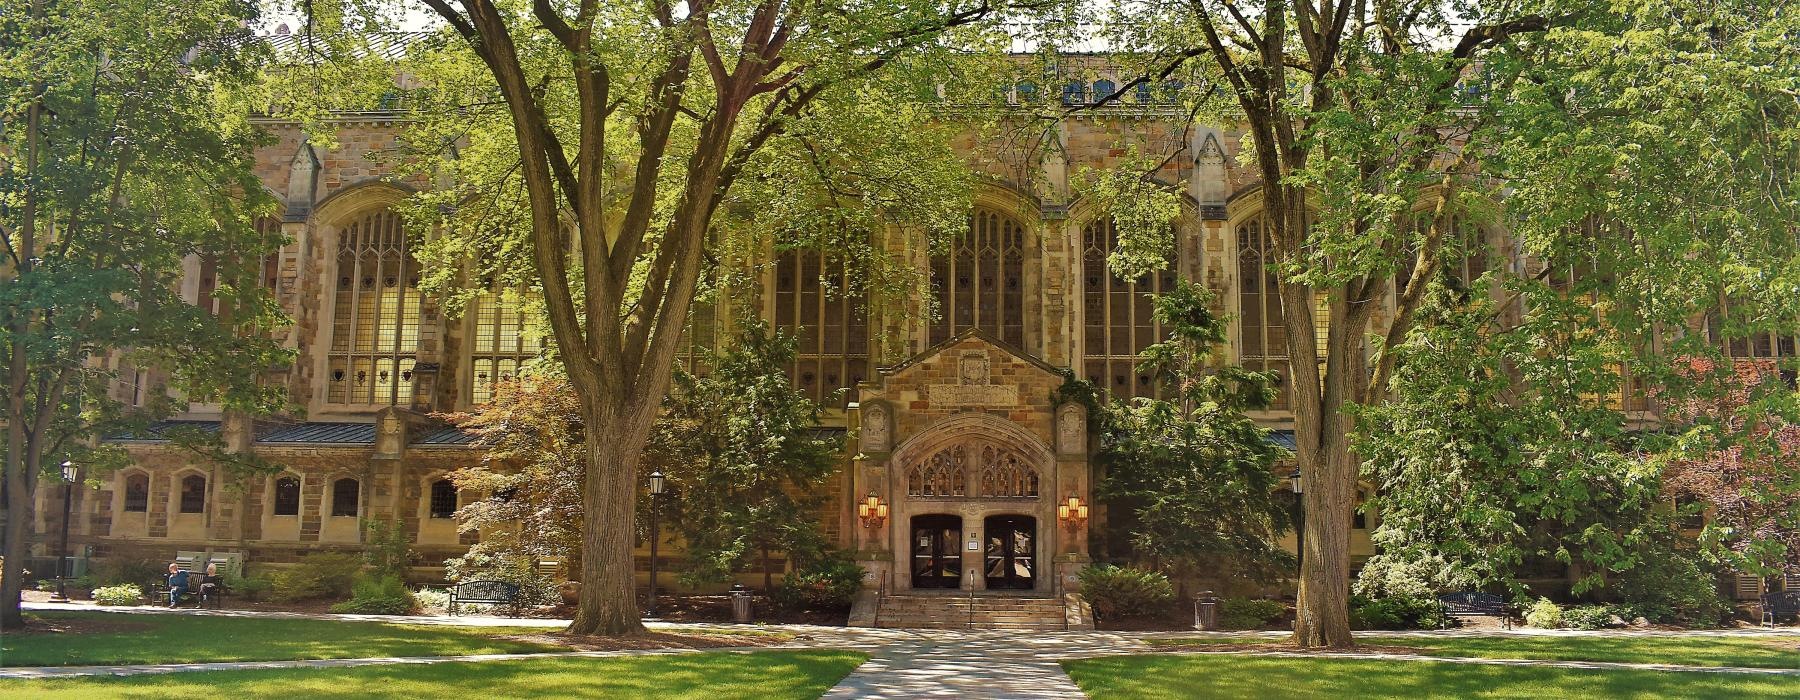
{"points": [[980, 280], [287, 496], [375, 314], [344, 496], [1262, 339], [817, 304], [1004, 475], [193, 494], [944, 474], [501, 343], [137, 493], [1117, 322]]}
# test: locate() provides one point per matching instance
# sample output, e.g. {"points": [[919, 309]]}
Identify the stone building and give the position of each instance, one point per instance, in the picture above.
{"points": [[949, 422]]}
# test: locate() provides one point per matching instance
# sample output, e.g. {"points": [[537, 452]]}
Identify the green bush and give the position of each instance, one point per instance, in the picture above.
{"points": [[122, 594], [828, 584], [432, 599], [1121, 592], [534, 588], [248, 587], [1395, 613], [1544, 614], [1249, 613], [112, 572], [319, 575], [378, 595], [1668, 585], [1587, 617]]}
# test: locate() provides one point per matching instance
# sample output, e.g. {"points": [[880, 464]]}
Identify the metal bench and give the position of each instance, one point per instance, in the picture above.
{"points": [[1780, 606], [488, 592], [1476, 604]]}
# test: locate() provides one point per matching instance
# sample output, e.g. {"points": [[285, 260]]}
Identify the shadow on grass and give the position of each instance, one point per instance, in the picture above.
{"points": [[155, 639], [1152, 677], [697, 676]]}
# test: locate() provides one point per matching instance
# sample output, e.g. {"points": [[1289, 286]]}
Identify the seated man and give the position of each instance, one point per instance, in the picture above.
{"points": [[178, 584]]}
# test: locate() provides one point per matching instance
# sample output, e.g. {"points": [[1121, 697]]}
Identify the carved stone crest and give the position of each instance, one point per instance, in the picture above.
{"points": [[973, 368], [1071, 430], [875, 430]]}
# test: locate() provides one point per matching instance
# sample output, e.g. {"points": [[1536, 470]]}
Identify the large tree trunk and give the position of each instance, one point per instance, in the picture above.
{"points": [[1322, 618], [18, 522], [608, 567]]}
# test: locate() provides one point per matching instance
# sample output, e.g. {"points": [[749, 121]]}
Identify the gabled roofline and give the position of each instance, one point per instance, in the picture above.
{"points": [[965, 334]]}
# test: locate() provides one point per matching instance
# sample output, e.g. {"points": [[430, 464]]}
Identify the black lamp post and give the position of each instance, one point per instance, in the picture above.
{"points": [[657, 484], [62, 555], [1299, 485]]}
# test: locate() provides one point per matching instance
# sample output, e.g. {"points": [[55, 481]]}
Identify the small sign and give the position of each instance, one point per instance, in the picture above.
{"points": [[974, 546]]}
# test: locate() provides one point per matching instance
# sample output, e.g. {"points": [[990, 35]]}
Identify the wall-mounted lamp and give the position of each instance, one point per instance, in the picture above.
{"points": [[1072, 514], [872, 511]]}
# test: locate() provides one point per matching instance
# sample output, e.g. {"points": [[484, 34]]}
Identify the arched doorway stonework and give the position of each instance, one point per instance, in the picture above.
{"points": [[968, 433]]}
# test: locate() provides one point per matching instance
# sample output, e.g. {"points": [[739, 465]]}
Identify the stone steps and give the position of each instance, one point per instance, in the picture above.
{"points": [[960, 612]]}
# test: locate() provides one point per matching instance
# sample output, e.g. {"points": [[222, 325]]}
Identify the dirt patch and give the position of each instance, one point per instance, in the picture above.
{"points": [[650, 640], [1284, 646], [80, 625]]}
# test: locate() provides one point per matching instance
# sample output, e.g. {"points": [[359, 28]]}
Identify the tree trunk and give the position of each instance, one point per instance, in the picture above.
{"points": [[608, 567], [18, 521], [1323, 615], [768, 578]]}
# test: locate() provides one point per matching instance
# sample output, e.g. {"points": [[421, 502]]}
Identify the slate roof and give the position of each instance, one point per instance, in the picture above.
{"points": [[159, 430], [319, 433], [447, 436], [1284, 438]]}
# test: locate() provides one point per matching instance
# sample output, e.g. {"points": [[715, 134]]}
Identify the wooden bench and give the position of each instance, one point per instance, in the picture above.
{"points": [[1780, 606], [1476, 604], [195, 564], [488, 592]]}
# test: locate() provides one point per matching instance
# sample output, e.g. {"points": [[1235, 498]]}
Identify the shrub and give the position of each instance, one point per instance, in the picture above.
{"points": [[250, 587], [1668, 585], [1395, 613], [386, 548], [1587, 617], [434, 599], [1544, 614], [122, 594], [1122, 592], [319, 575], [378, 595], [1249, 613], [111, 572], [830, 583]]}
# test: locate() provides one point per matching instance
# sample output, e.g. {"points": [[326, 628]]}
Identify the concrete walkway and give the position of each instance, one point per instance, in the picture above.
{"points": [[909, 663]]}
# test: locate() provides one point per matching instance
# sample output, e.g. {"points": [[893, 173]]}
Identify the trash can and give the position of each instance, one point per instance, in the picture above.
{"points": [[740, 603], [1206, 611]]}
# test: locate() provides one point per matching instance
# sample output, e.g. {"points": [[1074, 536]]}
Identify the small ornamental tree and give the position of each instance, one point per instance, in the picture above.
{"points": [[530, 476], [740, 446], [1192, 476], [1741, 474]]}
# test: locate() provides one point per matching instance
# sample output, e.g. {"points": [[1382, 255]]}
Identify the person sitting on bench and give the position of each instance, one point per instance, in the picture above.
{"points": [[178, 584], [210, 584]]}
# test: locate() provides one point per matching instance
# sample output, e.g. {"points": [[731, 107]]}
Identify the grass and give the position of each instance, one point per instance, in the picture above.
{"points": [[703, 675], [125, 638], [1237, 676], [1750, 652]]}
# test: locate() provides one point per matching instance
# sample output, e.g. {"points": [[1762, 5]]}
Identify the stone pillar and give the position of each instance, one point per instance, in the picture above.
{"points": [[973, 531]]}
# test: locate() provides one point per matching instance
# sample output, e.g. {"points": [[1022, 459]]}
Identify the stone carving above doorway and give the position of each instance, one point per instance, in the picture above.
{"points": [[876, 428], [972, 369], [1005, 475], [942, 474]]}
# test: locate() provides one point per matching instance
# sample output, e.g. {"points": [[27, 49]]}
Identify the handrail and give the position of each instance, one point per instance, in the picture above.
{"points": [[971, 624]]}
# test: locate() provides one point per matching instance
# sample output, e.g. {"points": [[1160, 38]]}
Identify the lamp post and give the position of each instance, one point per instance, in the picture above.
{"points": [[657, 483], [1299, 484], [62, 554]]}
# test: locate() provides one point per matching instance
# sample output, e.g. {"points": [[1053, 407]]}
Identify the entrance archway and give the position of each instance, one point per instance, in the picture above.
{"points": [[1010, 557], [936, 559]]}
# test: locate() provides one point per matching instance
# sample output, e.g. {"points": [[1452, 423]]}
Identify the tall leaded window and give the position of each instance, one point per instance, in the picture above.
{"points": [[501, 344], [816, 303], [344, 496], [443, 498], [193, 494], [980, 280], [287, 496], [375, 314], [1117, 322], [1262, 337], [137, 493], [1464, 237]]}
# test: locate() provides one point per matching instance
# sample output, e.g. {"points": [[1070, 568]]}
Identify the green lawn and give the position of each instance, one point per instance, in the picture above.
{"points": [[1240, 676], [702, 676], [1752, 652], [151, 638]]}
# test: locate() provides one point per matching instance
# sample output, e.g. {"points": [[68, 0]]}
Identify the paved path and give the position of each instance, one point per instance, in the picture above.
{"points": [[907, 663]]}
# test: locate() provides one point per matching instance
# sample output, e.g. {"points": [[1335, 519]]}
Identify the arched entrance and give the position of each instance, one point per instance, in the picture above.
{"points": [[1010, 557], [936, 558]]}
